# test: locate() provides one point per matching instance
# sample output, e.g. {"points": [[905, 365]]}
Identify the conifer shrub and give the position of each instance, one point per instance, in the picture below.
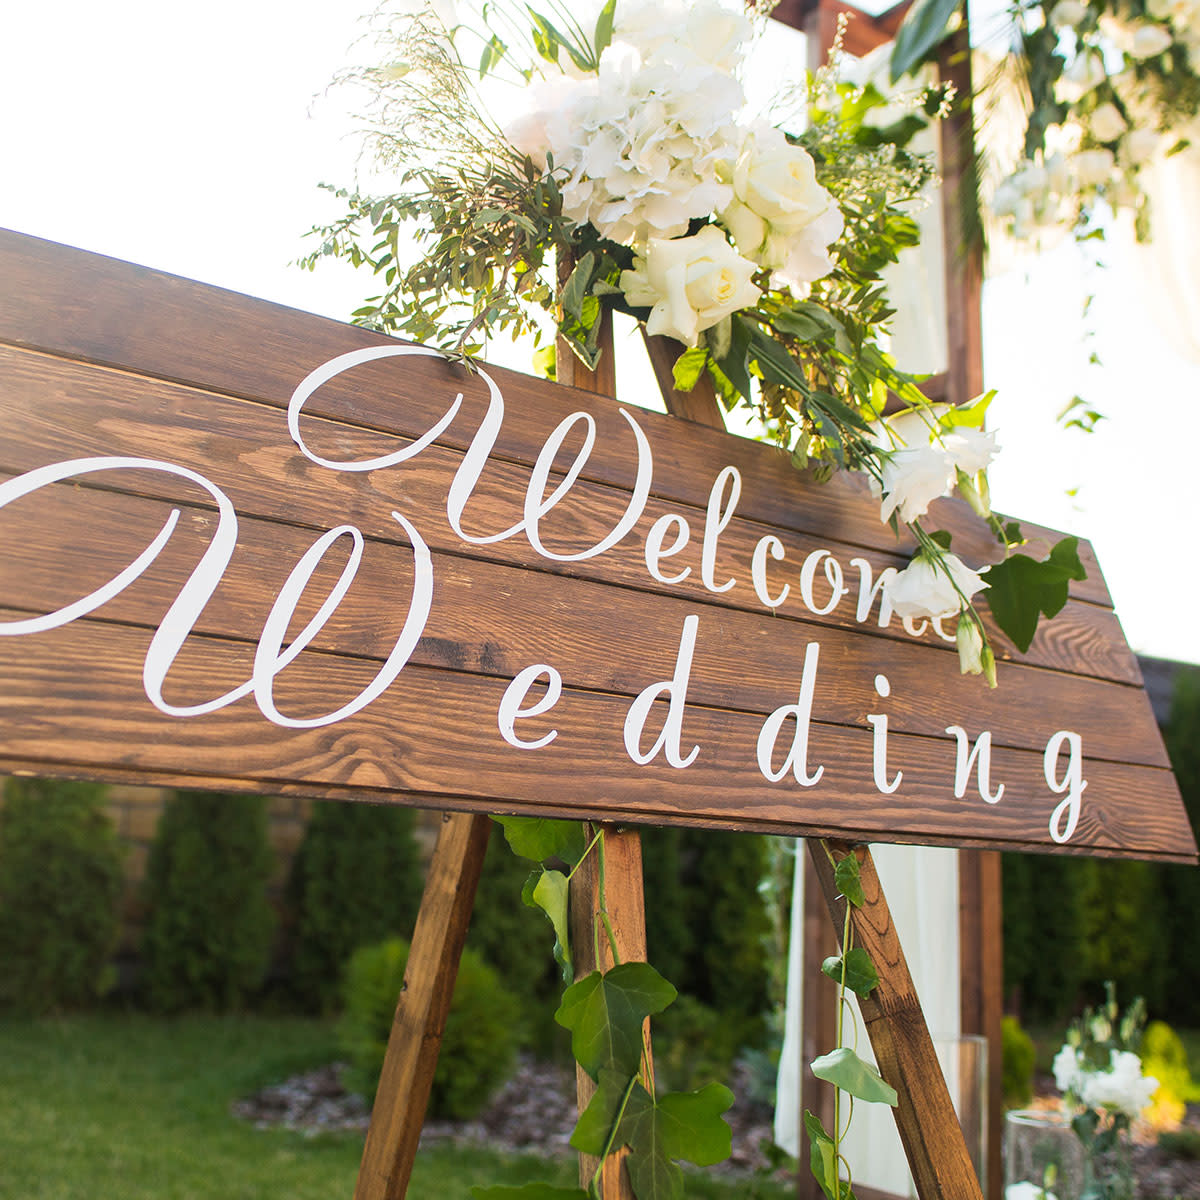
{"points": [[356, 879], [479, 1044], [209, 923], [61, 882]]}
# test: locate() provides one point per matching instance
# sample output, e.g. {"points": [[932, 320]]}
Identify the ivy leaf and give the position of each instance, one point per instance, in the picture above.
{"points": [[594, 1127], [540, 838], [848, 878], [845, 1070], [688, 367], [693, 1127], [528, 1191], [923, 28], [548, 891], [822, 1156], [861, 976], [653, 1175], [604, 1013], [1020, 588]]}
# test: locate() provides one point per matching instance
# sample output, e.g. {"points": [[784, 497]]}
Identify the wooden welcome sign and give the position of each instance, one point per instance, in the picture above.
{"points": [[242, 547]]}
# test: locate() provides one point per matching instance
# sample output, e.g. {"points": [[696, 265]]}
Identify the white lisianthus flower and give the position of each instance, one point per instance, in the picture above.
{"points": [[974, 654], [1147, 41], [689, 284], [1067, 14], [1122, 1088], [1084, 74], [780, 216], [1093, 167], [912, 479], [1139, 145], [970, 450], [1067, 1070], [1107, 124], [928, 589]]}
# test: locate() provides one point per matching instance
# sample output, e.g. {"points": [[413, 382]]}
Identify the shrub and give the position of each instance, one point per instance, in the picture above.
{"points": [[356, 880], [209, 925], [1164, 1057], [478, 1046], [61, 881], [693, 1045], [1019, 1057]]}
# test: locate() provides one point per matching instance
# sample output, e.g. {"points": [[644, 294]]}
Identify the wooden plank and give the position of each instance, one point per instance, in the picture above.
{"points": [[491, 619], [416, 1037], [623, 901], [101, 310], [925, 1118], [434, 733], [49, 409]]}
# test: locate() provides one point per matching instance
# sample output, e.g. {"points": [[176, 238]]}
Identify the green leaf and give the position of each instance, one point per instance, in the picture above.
{"points": [[594, 1128], [861, 976], [688, 368], [604, 1013], [1020, 588], [692, 1124], [653, 1175], [576, 287], [845, 1070], [839, 410], [923, 28], [528, 1191], [822, 1156], [776, 364], [604, 27], [549, 893], [540, 838], [799, 324], [848, 879], [734, 362], [493, 52]]}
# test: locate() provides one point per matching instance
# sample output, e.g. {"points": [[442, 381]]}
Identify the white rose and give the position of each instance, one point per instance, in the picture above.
{"points": [[1107, 123], [912, 479], [1068, 14], [927, 589], [689, 284], [1093, 167], [1147, 41], [780, 215]]}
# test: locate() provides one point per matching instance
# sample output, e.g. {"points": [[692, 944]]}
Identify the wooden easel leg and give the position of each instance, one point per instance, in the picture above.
{"points": [[925, 1117], [416, 1035], [590, 950]]}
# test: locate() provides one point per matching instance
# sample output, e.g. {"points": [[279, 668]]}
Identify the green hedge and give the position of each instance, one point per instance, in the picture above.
{"points": [[61, 882]]}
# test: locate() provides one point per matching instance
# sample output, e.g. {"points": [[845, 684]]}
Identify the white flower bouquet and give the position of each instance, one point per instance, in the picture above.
{"points": [[622, 170]]}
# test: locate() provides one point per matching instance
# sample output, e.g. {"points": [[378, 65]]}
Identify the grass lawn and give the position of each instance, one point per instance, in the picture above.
{"points": [[127, 1107]]}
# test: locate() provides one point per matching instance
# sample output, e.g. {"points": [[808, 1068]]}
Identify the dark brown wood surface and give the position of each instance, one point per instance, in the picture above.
{"points": [[101, 358]]}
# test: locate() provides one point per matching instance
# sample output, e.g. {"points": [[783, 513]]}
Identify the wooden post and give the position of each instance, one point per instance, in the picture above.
{"points": [[416, 1036], [925, 1117]]}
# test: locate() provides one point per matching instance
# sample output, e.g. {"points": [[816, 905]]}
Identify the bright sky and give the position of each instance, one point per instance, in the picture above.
{"points": [[193, 140]]}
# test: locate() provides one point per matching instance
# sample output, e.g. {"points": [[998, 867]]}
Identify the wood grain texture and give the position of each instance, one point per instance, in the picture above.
{"points": [[925, 1118], [416, 1037], [110, 373]]}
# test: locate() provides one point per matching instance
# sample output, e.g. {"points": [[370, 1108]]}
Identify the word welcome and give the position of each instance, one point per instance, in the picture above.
{"points": [[782, 749]]}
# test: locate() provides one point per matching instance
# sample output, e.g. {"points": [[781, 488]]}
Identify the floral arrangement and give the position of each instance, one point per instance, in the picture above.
{"points": [[1099, 1072], [1108, 87], [628, 173]]}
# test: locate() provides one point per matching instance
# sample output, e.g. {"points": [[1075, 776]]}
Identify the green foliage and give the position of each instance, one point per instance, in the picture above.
{"points": [[1180, 885], [61, 882], [692, 1042], [516, 940], [356, 879], [209, 924], [845, 1070], [1181, 1143], [479, 1044], [923, 28], [1019, 1057], [1020, 587], [1164, 1057]]}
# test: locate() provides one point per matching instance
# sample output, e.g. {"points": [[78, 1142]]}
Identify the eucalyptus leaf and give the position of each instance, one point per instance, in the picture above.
{"points": [[540, 838], [604, 1013], [845, 1070], [861, 976], [923, 28], [848, 878]]}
